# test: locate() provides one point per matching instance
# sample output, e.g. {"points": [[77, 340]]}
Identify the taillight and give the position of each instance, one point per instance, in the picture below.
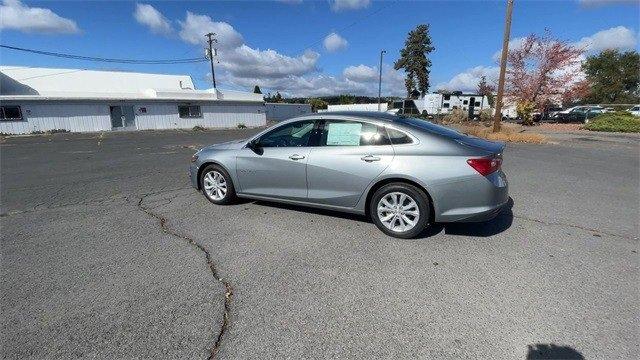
{"points": [[485, 166]]}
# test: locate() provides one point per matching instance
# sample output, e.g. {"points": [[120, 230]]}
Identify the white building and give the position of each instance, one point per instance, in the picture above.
{"points": [[284, 111], [44, 99]]}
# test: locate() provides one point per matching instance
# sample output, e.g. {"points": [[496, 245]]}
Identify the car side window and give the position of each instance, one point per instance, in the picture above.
{"points": [[397, 137], [295, 134], [352, 133]]}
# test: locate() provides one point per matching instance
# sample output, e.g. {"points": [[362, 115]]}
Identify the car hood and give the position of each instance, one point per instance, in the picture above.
{"points": [[235, 144]]}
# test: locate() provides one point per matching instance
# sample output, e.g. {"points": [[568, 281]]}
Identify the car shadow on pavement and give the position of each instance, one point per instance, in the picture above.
{"points": [[552, 351], [311, 210], [483, 229], [492, 227]]}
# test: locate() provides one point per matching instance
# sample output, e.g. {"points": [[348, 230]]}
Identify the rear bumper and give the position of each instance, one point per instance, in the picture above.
{"points": [[474, 200]]}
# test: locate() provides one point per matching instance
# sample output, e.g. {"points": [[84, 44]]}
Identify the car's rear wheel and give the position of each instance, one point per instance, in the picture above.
{"points": [[216, 185], [400, 210]]}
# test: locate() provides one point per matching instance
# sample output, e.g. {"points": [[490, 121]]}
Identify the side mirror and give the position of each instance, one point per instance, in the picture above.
{"points": [[255, 146]]}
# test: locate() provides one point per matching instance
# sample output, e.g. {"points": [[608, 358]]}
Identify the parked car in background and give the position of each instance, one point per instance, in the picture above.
{"points": [[635, 111], [403, 172], [547, 114], [579, 113]]}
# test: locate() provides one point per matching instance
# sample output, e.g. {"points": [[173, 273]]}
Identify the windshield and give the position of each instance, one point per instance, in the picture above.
{"points": [[429, 126]]}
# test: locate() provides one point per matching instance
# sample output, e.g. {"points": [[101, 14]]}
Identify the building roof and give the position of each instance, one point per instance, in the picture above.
{"points": [[378, 115], [29, 83]]}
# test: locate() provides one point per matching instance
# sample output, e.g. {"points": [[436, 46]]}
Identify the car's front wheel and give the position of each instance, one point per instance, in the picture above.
{"points": [[216, 185], [400, 210]]}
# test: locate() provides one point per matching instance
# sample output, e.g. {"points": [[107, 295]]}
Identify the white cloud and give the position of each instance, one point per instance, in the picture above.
{"points": [[340, 5], [326, 85], [334, 42], [246, 62], [17, 16], [618, 37], [195, 26], [148, 15], [514, 43], [468, 80], [240, 63], [242, 67], [361, 73]]}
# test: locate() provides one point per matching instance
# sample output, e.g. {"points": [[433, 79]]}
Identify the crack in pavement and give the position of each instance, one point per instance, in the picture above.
{"points": [[44, 207], [212, 267], [593, 230]]}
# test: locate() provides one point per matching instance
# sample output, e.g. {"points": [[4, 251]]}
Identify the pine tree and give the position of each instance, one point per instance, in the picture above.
{"points": [[256, 90], [413, 59]]}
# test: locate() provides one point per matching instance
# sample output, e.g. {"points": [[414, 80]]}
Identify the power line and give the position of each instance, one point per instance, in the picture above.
{"points": [[108, 60]]}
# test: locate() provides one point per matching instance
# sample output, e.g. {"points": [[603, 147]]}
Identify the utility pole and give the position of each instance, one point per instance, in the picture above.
{"points": [[211, 40], [380, 80], [503, 67]]}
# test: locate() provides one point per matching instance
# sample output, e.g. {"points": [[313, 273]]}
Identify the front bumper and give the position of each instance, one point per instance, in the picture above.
{"points": [[193, 175]]}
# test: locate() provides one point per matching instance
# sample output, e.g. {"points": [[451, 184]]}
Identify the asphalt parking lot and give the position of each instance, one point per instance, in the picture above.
{"points": [[89, 269]]}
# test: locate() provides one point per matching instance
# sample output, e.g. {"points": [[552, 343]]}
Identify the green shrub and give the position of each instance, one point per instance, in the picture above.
{"points": [[525, 110], [58, 131], [620, 121], [198, 128], [242, 126]]}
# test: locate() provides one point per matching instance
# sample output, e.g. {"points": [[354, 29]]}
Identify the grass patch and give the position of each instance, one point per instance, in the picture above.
{"points": [[620, 121], [508, 133]]}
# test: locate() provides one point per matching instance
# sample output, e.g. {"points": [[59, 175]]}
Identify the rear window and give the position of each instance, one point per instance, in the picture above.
{"points": [[431, 127]]}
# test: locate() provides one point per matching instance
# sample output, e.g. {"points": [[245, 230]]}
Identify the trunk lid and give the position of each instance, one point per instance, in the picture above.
{"points": [[486, 145]]}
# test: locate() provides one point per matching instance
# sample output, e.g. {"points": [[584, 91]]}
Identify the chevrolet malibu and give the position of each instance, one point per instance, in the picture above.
{"points": [[404, 173]]}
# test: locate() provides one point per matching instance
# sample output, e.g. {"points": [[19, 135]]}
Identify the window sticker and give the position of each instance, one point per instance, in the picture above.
{"points": [[343, 134]]}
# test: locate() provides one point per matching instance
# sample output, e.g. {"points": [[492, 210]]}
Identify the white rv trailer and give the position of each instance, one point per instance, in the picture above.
{"points": [[359, 107], [442, 104]]}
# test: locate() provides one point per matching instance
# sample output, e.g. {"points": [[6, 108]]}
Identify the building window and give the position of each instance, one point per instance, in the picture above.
{"points": [[189, 111], [10, 113], [477, 103], [465, 102], [447, 97], [445, 105]]}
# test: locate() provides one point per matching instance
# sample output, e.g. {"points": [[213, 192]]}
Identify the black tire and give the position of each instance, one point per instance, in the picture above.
{"points": [[230, 195], [420, 198]]}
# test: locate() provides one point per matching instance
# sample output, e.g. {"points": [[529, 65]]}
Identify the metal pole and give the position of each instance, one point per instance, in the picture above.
{"points": [[211, 41], [503, 67], [380, 80]]}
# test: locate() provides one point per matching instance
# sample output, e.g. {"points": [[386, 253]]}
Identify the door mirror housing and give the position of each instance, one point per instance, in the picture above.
{"points": [[255, 146]]}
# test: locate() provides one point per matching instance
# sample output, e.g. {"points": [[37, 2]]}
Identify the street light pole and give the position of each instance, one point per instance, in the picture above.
{"points": [[503, 67], [380, 80], [211, 40]]}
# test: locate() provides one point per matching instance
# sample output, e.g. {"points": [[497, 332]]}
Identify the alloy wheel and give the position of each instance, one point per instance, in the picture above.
{"points": [[398, 212], [215, 185]]}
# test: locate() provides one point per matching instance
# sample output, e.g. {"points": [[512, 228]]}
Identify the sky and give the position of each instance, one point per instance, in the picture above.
{"points": [[304, 47]]}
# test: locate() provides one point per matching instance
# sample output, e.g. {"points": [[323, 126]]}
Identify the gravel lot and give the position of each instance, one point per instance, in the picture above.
{"points": [[88, 271]]}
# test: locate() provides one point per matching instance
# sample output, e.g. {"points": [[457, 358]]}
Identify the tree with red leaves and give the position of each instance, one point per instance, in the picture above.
{"points": [[543, 70]]}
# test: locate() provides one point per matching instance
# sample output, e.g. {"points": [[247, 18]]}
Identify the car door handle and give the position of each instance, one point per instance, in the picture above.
{"points": [[296, 157], [370, 158]]}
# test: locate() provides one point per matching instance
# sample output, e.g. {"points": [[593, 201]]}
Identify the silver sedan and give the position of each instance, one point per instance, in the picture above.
{"points": [[405, 173]]}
